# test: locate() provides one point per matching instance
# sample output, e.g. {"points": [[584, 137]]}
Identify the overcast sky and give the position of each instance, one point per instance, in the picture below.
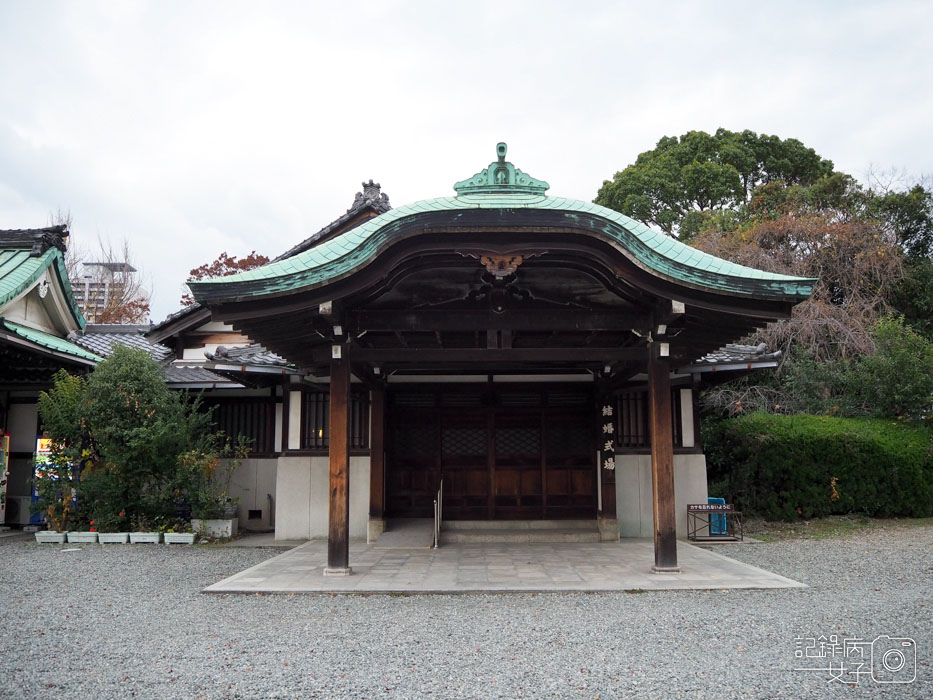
{"points": [[192, 128]]}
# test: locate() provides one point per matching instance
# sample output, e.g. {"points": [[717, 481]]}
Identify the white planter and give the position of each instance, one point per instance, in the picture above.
{"points": [[113, 537], [215, 528], [85, 537], [178, 537], [145, 537], [50, 537]]}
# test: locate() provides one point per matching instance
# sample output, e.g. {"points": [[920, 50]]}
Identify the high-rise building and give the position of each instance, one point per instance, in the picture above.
{"points": [[100, 285]]}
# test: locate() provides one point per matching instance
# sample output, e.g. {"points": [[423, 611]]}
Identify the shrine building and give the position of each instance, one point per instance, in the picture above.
{"points": [[529, 355]]}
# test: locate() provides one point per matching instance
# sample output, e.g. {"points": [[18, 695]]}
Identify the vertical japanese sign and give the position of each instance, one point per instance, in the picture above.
{"points": [[607, 436]]}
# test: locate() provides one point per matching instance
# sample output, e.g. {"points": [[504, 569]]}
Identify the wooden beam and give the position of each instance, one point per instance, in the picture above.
{"points": [[377, 400], [494, 355], [662, 461], [465, 320], [338, 522]]}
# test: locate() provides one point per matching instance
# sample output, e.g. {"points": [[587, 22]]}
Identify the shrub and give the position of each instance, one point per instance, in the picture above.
{"points": [[115, 442], [128, 452], [898, 379], [204, 476], [785, 467]]}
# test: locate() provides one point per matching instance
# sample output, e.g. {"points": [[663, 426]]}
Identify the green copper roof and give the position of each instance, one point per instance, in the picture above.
{"points": [[655, 252], [19, 270], [47, 340]]}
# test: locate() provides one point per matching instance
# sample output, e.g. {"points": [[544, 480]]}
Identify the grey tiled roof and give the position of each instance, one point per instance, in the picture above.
{"points": [[194, 374], [101, 339], [371, 197], [732, 354], [254, 354]]}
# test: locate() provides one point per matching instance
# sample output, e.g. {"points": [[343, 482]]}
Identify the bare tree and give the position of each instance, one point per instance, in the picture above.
{"points": [[858, 266]]}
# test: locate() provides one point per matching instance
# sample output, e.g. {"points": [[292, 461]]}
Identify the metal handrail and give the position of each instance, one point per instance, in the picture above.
{"points": [[438, 514]]}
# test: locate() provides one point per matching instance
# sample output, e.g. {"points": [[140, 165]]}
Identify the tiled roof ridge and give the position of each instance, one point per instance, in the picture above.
{"points": [[372, 197], [254, 353], [38, 239], [117, 328], [736, 352]]}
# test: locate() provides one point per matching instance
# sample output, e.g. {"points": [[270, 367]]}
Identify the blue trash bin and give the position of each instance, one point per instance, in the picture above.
{"points": [[717, 521]]}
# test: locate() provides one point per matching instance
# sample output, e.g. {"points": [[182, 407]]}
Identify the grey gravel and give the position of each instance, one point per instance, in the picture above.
{"points": [[123, 621]]}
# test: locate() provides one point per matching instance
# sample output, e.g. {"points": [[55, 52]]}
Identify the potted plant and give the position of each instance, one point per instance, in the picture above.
{"points": [[112, 528], [207, 474], [178, 532], [84, 536], [145, 532]]}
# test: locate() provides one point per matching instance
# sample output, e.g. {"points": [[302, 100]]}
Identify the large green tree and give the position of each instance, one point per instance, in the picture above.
{"points": [[774, 204], [685, 179]]}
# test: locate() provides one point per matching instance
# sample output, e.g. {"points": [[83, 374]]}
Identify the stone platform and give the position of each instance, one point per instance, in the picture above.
{"points": [[498, 567]]}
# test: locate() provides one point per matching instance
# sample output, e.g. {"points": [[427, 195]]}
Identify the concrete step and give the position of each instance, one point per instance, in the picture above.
{"points": [[487, 535], [588, 524], [407, 533]]}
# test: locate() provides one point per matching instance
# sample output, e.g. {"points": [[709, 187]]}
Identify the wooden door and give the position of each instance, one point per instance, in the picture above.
{"points": [[465, 463], [517, 464], [412, 465], [570, 473], [507, 454]]}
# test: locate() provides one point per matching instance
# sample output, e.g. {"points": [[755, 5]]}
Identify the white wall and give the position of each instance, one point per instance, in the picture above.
{"points": [[302, 503], [634, 500], [251, 482], [294, 419]]}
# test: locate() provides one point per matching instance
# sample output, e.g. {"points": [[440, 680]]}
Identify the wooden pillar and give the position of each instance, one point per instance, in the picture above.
{"points": [[662, 460], [286, 399], [377, 402], [338, 525]]}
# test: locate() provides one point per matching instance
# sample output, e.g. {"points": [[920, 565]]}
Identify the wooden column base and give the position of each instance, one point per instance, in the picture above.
{"points": [[342, 571], [665, 569]]}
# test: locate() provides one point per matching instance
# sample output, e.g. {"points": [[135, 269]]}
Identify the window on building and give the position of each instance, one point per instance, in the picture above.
{"points": [[252, 417], [634, 426], [315, 421]]}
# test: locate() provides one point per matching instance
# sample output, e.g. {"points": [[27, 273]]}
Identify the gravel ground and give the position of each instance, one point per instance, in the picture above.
{"points": [[129, 621]]}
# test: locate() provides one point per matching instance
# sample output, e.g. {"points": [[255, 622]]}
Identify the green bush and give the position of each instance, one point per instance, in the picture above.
{"points": [[786, 467], [116, 444]]}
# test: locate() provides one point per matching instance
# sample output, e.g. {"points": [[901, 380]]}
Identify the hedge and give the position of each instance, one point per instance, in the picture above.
{"points": [[787, 467]]}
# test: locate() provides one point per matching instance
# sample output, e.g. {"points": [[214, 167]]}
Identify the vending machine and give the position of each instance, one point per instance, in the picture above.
{"points": [[4, 473]]}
